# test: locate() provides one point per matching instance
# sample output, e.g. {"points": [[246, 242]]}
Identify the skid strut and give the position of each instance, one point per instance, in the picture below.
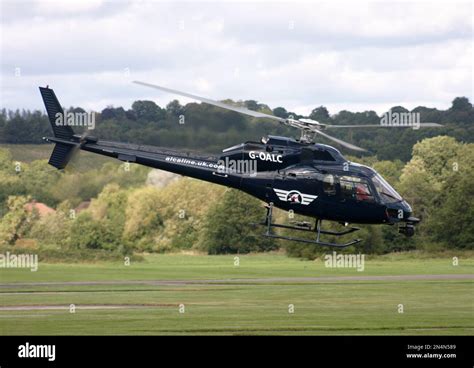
{"points": [[306, 227]]}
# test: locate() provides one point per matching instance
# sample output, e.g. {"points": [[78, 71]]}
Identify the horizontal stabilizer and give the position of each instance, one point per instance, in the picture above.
{"points": [[61, 155]]}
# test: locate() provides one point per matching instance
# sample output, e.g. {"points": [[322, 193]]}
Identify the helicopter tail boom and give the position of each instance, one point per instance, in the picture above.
{"points": [[203, 167]]}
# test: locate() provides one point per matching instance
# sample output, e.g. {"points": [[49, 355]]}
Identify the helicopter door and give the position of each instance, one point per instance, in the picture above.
{"points": [[355, 192]]}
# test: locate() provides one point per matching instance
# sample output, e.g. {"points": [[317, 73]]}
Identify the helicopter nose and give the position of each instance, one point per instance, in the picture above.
{"points": [[399, 211], [405, 206]]}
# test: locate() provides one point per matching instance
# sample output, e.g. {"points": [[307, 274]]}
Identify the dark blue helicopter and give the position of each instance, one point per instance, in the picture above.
{"points": [[306, 178]]}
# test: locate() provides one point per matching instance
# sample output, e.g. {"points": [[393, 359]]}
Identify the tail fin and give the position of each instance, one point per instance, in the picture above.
{"points": [[64, 147], [55, 111]]}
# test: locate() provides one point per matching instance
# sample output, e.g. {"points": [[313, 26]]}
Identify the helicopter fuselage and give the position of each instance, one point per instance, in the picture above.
{"points": [[308, 179], [294, 175]]}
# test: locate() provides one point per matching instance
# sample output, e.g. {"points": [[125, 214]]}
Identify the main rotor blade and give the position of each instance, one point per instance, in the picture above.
{"points": [[242, 110], [341, 142], [422, 125]]}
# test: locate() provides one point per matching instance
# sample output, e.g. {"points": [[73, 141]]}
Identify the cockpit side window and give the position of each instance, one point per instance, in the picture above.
{"points": [[329, 185], [355, 188], [363, 192], [347, 188]]}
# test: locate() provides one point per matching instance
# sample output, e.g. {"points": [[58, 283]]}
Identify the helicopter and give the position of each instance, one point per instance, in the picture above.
{"points": [[298, 175]]}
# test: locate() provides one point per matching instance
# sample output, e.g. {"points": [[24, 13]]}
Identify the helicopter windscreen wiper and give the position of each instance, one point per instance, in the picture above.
{"points": [[309, 128]]}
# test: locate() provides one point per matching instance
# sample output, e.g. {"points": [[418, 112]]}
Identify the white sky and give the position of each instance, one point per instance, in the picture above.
{"points": [[355, 56]]}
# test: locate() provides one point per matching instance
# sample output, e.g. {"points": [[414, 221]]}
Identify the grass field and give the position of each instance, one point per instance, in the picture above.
{"points": [[233, 305], [31, 152]]}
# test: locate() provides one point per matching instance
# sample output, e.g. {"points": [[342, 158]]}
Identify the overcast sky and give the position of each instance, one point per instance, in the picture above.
{"points": [[353, 56]]}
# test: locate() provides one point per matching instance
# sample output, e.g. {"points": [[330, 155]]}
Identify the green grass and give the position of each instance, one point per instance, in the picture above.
{"points": [[31, 152], [439, 307], [178, 266]]}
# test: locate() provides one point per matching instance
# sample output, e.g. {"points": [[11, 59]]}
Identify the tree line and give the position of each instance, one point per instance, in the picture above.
{"points": [[210, 129]]}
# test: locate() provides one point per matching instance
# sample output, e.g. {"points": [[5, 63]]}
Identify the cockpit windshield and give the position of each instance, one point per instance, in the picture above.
{"points": [[385, 191]]}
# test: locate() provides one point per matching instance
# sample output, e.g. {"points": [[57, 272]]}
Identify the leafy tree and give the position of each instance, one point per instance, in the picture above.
{"points": [[174, 108], [143, 219], [228, 230], [9, 185], [184, 208], [6, 160], [437, 155], [10, 181], [110, 113], [461, 104], [452, 218], [54, 228], [17, 221], [79, 185], [40, 181], [109, 211], [320, 114], [88, 233], [390, 170], [280, 112], [251, 105], [438, 183], [148, 110]]}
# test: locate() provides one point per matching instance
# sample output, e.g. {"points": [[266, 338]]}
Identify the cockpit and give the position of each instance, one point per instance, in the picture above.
{"points": [[385, 190], [364, 189], [367, 187]]}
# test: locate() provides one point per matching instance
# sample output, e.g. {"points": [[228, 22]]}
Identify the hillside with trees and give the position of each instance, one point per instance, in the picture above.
{"points": [[111, 207], [201, 127]]}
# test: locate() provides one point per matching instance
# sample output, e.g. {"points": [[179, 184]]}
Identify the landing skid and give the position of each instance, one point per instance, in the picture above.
{"points": [[305, 226]]}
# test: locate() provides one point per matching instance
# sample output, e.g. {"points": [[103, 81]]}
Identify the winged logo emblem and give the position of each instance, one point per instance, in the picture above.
{"points": [[294, 196]]}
